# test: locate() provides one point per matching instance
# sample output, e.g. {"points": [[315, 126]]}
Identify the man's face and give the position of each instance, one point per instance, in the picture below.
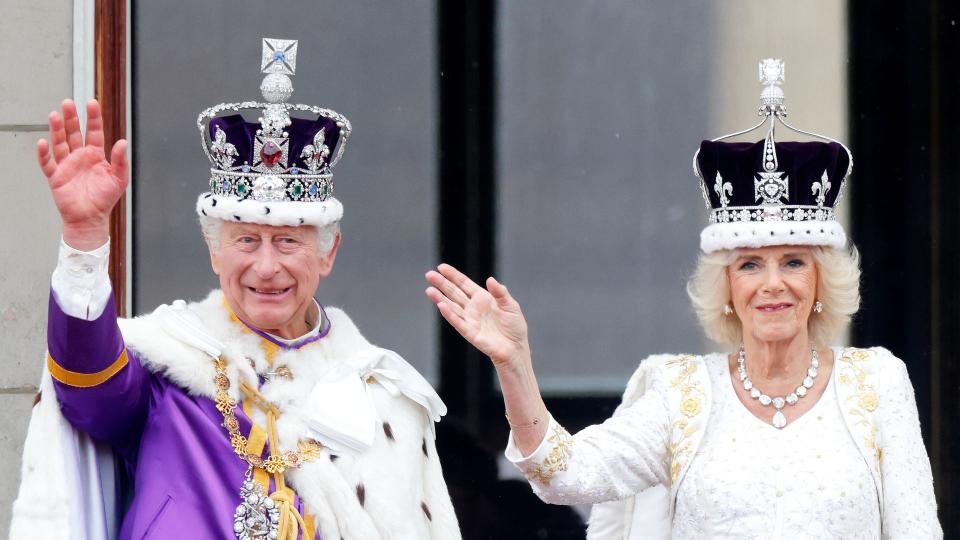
{"points": [[269, 274]]}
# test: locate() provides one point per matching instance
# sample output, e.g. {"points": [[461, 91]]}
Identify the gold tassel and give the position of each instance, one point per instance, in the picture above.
{"points": [[291, 522]]}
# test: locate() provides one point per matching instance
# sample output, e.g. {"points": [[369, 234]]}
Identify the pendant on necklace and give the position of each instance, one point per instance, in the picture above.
{"points": [[257, 516], [779, 421]]}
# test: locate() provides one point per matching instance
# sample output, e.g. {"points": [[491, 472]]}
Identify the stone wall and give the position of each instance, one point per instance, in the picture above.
{"points": [[36, 52]]}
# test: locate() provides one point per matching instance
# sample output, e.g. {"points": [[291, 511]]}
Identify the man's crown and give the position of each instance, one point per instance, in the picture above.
{"points": [[281, 156]]}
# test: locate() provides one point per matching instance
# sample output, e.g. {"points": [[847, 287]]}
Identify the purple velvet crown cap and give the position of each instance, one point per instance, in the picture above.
{"points": [[768, 197], [803, 165], [241, 133]]}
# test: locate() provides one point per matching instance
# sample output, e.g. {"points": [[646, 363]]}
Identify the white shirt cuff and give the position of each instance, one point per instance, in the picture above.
{"points": [[81, 282]]}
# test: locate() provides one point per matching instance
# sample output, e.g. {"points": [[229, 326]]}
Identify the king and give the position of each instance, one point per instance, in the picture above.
{"points": [[256, 413]]}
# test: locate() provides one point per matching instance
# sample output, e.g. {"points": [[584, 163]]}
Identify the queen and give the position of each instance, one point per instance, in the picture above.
{"points": [[780, 436]]}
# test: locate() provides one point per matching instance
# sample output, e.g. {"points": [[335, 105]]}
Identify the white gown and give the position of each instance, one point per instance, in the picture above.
{"points": [[752, 480], [854, 466]]}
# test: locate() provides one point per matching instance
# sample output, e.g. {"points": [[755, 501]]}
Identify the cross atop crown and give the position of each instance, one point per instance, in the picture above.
{"points": [[772, 71], [279, 56]]}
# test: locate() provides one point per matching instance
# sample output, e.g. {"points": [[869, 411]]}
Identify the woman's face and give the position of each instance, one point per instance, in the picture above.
{"points": [[773, 290]]}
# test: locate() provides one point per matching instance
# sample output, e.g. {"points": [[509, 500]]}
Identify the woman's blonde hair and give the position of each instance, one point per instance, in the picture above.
{"points": [[838, 289]]}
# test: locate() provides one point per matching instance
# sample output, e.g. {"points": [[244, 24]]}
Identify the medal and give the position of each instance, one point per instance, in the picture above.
{"points": [[257, 516]]}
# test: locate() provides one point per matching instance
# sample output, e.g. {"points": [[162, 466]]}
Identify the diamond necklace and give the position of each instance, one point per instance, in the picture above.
{"points": [[779, 420]]}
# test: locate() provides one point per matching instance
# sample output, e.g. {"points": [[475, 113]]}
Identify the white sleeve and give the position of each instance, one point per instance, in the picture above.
{"points": [[909, 506], [613, 460], [80, 282]]}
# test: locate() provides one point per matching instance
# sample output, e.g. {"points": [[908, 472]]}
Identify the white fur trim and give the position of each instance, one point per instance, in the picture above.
{"points": [[66, 479], [398, 474], [279, 213], [755, 234]]}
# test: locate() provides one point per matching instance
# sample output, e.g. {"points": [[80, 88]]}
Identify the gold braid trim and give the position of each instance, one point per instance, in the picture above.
{"points": [[685, 427], [863, 393], [85, 380]]}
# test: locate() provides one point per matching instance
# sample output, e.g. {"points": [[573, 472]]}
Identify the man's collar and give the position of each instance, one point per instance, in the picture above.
{"points": [[275, 343]]}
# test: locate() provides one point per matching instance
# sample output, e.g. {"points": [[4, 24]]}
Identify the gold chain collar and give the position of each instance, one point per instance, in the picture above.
{"points": [[279, 461]]}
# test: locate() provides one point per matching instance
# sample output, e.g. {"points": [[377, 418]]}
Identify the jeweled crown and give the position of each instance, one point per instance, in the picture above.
{"points": [[282, 156], [772, 192], [805, 185]]}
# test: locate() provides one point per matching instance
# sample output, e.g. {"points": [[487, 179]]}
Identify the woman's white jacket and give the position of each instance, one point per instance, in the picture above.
{"points": [[622, 464]]}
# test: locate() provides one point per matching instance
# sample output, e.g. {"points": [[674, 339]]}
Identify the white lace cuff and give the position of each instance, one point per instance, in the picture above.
{"points": [[548, 459], [80, 282]]}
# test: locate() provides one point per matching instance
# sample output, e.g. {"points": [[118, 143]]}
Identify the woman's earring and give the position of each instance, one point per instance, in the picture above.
{"points": [[818, 307], [727, 310]]}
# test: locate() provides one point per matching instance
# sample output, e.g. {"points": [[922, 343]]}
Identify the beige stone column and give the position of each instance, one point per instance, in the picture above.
{"points": [[36, 55], [810, 36]]}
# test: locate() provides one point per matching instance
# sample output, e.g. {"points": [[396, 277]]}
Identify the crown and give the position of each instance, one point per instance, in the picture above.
{"points": [[287, 155], [769, 192]]}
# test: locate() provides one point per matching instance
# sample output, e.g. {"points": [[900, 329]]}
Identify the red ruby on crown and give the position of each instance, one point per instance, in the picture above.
{"points": [[270, 154]]}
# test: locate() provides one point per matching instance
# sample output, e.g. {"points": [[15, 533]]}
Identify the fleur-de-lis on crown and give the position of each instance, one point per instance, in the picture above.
{"points": [[222, 151], [821, 188], [722, 189], [315, 155]]}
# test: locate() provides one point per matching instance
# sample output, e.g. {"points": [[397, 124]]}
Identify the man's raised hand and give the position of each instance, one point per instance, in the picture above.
{"points": [[85, 187]]}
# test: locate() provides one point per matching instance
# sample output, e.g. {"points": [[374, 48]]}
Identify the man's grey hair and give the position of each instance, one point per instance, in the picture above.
{"points": [[326, 235]]}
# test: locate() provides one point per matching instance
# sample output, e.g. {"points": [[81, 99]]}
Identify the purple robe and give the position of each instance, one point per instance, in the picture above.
{"points": [[186, 475]]}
